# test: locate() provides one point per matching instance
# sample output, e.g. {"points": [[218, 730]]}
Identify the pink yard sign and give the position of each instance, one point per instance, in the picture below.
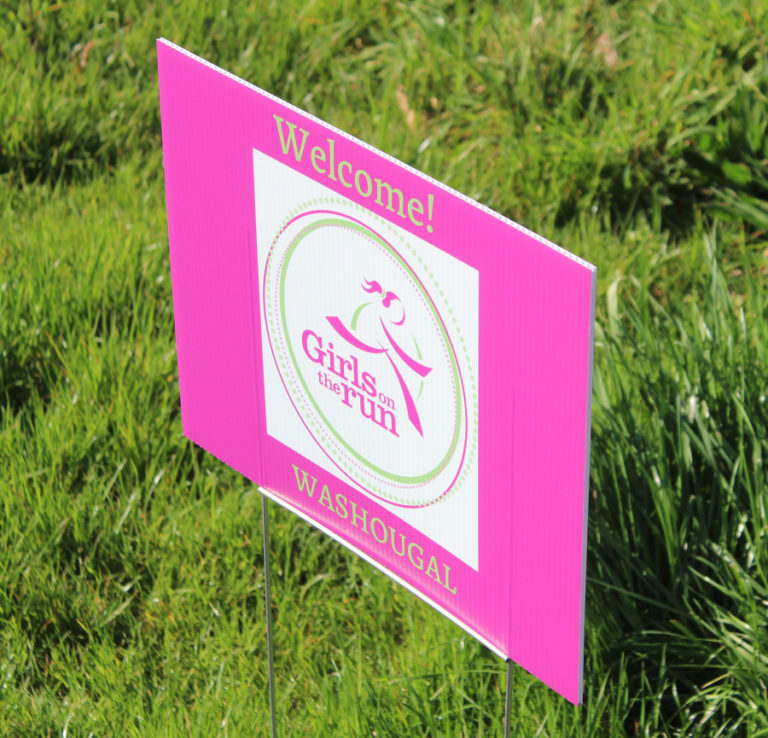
{"points": [[395, 363]]}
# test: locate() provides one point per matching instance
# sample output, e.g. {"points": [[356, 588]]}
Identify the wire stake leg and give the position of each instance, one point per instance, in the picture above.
{"points": [[507, 716], [268, 603]]}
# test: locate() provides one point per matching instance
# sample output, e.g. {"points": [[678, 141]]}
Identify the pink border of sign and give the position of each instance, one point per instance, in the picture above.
{"points": [[526, 601]]}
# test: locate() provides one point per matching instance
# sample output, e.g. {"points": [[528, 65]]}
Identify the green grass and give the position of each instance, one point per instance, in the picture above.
{"points": [[131, 580]]}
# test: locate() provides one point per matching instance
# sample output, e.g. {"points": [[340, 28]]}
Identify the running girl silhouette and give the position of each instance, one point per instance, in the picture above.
{"points": [[393, 310]]}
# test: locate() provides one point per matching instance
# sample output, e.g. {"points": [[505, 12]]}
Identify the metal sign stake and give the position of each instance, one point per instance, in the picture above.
{"points": [[507, 716], [268, 603]]}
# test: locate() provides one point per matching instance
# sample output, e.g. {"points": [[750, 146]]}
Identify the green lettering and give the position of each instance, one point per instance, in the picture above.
{"points": [[298, 151], [356, 517], [318, 153], [447, 585], [341, 509], [414, 204], [391, 192], [419, 563], [343, 164], [357, 183], [383, 538], [432, 569], [331, 164], [325, 498], [302, 484]]}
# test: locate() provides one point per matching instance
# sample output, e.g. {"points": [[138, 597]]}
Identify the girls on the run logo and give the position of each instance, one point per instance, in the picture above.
{"points": [[365, 357]]}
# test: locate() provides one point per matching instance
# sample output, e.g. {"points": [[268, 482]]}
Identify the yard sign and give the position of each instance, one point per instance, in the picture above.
{"points": [[395, 363]]}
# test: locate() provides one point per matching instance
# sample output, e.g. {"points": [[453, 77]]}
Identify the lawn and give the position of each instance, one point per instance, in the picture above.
{"points": [[634, 134]]}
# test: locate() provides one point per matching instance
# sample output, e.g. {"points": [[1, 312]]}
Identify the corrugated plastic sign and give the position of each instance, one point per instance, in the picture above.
{"points": [[397, 364]]}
